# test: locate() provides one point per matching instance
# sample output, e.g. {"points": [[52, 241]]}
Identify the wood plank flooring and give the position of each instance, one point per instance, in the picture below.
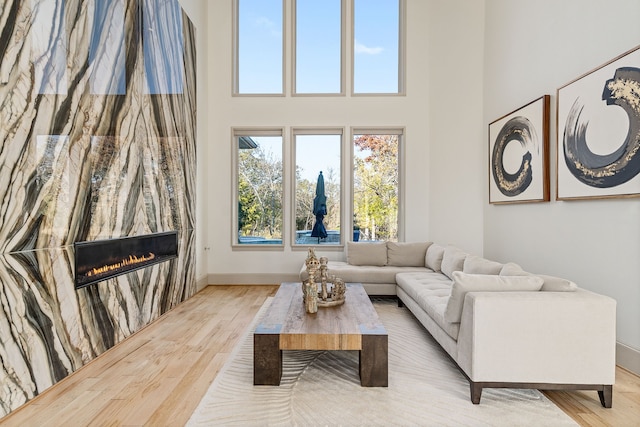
{"points": [[158, 376]]}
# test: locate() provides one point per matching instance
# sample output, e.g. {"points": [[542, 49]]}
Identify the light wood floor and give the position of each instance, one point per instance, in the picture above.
{"points": [[158, 376]]}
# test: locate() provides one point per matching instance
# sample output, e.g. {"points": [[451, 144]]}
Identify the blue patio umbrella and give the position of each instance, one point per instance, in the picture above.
{"points": [[319, 210]]}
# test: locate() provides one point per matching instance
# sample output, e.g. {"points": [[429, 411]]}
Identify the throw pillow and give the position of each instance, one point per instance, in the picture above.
{"points": [[551, 283], [463, 283], [475, 264], [557, 284], [452, 260], [361, 253], [407, 254], [433, 259]]}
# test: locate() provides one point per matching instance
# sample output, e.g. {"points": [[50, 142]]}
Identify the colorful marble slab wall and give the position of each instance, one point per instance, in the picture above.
{"points": [[97, 140]]}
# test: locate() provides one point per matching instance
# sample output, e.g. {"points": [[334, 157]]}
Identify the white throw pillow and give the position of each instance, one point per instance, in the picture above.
{"points": [[557, 284], [403, 254], [361, 253], [433, 259], [452, 260], [550, 284], [475, 264], [463, 283]]}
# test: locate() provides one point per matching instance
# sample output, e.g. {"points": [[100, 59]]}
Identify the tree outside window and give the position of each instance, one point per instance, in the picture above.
{"points": [[260, 191], [375, 187]]}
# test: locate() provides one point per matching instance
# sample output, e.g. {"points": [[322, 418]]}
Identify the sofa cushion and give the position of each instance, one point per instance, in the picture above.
{"points": [[433, 258], [452, 260], [431, 292], [512, 269], [403, 254], [463, 283], [369, 253], [412, 282], [475, 264]]}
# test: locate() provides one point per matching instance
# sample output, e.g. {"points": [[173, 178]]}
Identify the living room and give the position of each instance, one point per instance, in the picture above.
{"points": [[467, 63], [508, 54]]}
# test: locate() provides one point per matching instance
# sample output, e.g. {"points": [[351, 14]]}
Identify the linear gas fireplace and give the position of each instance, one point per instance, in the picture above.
{"points": [[99, 260]]}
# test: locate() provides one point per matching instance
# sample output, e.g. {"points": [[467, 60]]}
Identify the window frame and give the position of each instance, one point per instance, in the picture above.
{"points": [[402, 19], [375, 130], [236, 133], [294, 48], [235, 72], [317, 130]]}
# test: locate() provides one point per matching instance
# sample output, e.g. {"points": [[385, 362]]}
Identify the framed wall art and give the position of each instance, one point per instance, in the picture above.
{"points": [[519, 155], [598, 134]]}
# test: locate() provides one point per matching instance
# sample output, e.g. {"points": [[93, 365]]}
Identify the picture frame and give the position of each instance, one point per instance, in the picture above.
{"points": [[519, 154], [598, 132]]}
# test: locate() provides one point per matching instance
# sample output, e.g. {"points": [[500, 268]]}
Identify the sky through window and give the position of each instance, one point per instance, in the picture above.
{"points": [[376, 46]]}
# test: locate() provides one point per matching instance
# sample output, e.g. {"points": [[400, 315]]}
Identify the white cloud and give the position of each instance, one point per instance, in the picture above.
{"points": [[360, 48], [269, 25]]}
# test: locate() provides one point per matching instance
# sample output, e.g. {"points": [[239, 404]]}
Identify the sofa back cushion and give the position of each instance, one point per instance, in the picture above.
{"points": [[403, 254], [367, 253], [512, 269], [464, 282], [433, 258], [475, 264], [452, 260]]}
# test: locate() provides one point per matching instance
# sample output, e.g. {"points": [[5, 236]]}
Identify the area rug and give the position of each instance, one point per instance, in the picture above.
{"points": [[323, 388]]}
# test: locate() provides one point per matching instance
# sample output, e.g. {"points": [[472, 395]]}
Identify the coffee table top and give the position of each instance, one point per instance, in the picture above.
{"points": [[331, 328]]}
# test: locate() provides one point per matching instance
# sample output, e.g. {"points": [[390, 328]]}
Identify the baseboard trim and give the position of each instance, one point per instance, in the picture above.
{"points": [[201, 283], [251, 279], [628, 358]]}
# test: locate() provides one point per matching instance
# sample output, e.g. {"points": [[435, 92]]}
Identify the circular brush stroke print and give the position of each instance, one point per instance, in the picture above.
{"points": [[521, 130], [620, 166]]}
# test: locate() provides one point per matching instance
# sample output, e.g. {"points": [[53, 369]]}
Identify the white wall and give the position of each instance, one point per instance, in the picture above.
{"points": [[432, 164], [454, 36], [531, 49], [197, 12]]}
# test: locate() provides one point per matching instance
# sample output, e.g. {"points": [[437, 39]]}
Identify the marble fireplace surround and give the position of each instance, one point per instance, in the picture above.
{"points": [[97, 141]]}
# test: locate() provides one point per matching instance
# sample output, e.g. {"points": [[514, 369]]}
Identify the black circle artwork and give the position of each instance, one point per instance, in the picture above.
{"points": [[623, 164], [518, 129]]}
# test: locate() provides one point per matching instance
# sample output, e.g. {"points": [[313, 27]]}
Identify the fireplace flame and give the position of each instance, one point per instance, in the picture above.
{"points": [[132, 260]]}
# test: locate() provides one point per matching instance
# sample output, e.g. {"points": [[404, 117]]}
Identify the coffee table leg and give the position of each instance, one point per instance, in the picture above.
{"points": [[374, 364], [267, 359]]}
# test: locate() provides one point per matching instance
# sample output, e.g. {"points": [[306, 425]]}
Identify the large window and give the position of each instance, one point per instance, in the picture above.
{"points": [[377, 46], [317, 186], [318, 46], [259, 187], [289, 185], [376, 184], [259, 47]]}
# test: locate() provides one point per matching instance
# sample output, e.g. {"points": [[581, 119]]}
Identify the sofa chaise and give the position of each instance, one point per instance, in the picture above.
{"points": [[503, 327]]}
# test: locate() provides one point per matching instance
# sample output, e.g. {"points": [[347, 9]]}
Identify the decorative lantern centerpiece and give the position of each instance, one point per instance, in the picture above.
{"points": [[332, 288]]}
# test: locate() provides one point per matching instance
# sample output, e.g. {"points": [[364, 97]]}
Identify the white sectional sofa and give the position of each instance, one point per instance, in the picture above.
{"points": [[504, 327]]}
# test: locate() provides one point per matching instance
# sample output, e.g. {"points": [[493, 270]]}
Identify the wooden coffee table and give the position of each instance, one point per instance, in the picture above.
{"points": [[352, 326]]}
